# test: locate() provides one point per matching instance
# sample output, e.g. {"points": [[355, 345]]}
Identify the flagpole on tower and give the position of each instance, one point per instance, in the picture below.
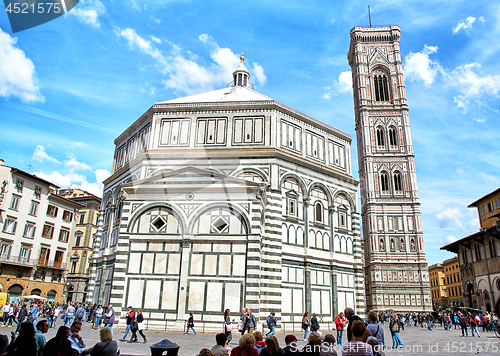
{"points": [[369, 16]]}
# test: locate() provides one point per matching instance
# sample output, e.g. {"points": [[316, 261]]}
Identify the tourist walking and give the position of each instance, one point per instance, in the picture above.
{"points": [[251, 323], [228, 327], [56, 315], [190, 324], [243, 321], [351, 317], [23, 313], [140, 325], [394, 327], [314, 323], [271, 324], [340, 323], [69, 315], [110, 318], [129, 317], [98, 316], [464, 324], [473, 321], [305, 324]]}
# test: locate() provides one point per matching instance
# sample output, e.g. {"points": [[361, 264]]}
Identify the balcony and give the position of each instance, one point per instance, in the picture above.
{"points": [[51, 264], [16, 260]]}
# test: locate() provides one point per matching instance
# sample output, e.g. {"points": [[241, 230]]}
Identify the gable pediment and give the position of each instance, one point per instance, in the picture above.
{"points": [[378, 56]]}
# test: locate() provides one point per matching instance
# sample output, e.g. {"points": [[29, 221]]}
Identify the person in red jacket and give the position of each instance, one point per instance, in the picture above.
{"points": [[340, 323]]}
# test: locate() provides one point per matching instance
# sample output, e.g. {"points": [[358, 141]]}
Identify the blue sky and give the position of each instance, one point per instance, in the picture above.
{"points": [[69, 87]]}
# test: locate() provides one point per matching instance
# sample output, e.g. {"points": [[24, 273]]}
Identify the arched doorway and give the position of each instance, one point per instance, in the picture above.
{"points": [[487, 301], [36, 291], [15, 293], [51, 296], [471, 296]]}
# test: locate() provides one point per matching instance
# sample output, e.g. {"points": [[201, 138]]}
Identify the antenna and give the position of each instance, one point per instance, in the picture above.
{"points": [[369, 16]]}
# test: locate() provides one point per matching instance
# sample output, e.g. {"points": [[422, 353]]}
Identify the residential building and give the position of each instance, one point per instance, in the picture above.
{"points": [[453, 280], [437, 281], [396, 274], [81, 243], [36, 226], [479, 256], [229, 199]]}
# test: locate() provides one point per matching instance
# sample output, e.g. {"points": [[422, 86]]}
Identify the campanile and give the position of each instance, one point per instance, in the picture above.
{"points": [[396, 275]]}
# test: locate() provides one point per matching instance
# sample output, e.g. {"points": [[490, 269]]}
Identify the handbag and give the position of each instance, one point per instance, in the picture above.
{"points": [[141, 326], [240, 325], [229, 327], [133, 326]]}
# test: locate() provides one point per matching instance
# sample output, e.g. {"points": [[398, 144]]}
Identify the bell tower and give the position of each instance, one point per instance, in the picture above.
{"points": [[396, 275]]}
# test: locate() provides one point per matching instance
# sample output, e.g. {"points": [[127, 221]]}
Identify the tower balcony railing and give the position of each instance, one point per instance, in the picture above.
{"points": [[52, 264]]}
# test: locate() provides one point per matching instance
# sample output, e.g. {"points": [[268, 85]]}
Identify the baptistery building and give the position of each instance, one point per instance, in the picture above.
{"points": [[229, 199]]}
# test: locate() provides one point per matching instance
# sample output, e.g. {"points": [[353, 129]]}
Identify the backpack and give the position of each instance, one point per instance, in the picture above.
{"points": [[269, 321], [395, 327]]}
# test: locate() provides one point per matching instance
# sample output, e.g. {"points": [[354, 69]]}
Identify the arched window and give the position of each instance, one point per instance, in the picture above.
{"points": [[381, 87], [381, 245], [398, 182], [318, 212], [384, 182], [393, 245], [380, 137], [393, 142], [402, 246], [412, 245]]}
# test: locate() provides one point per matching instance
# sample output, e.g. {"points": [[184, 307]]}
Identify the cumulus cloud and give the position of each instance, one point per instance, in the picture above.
{"points": [[186, 72], [73, 163], [419, 66], [88, 12], [451, 239], [342, 85], [466, 25], [40, 155], [458, 217], [75, 180], [473, 86], [83, 144], [17, 72]]}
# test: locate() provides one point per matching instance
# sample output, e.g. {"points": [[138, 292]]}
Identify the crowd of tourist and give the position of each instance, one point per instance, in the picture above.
{"points": [[29, 340]]}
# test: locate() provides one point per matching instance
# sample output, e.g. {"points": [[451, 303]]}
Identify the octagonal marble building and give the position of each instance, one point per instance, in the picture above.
{"points": [[229, 199]]}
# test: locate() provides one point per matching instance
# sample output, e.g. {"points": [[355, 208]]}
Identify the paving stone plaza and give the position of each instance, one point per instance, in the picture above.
{"points": [[416, 341]]}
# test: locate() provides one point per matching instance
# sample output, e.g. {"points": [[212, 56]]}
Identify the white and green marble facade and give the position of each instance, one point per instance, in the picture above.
{"points": [[237, 201]]}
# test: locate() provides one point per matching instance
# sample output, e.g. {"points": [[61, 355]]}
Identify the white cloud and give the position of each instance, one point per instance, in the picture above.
{"points": [[185, 71], [144, 45], [155, 20], [472, 85], [487, 178], [17, 73], [155, 39], [259, 74], [73, 163], [75, 180], [342, 85], [456, 216], [461, 172], [345, 81], [418, 66], [451, 239], [83, 144], [40, 155], [88, 12], [466, 25]]}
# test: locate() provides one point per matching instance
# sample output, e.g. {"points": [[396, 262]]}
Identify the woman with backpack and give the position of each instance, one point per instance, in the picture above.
{"points": [[473, 322], [394, 327], [305, 324]]}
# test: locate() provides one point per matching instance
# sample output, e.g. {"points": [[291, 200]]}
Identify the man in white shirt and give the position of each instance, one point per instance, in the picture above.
{"points": [[5, 312], [77, 342]]}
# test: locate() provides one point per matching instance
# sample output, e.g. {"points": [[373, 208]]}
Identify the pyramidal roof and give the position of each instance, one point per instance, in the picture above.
{"points": [[234, 93]]}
